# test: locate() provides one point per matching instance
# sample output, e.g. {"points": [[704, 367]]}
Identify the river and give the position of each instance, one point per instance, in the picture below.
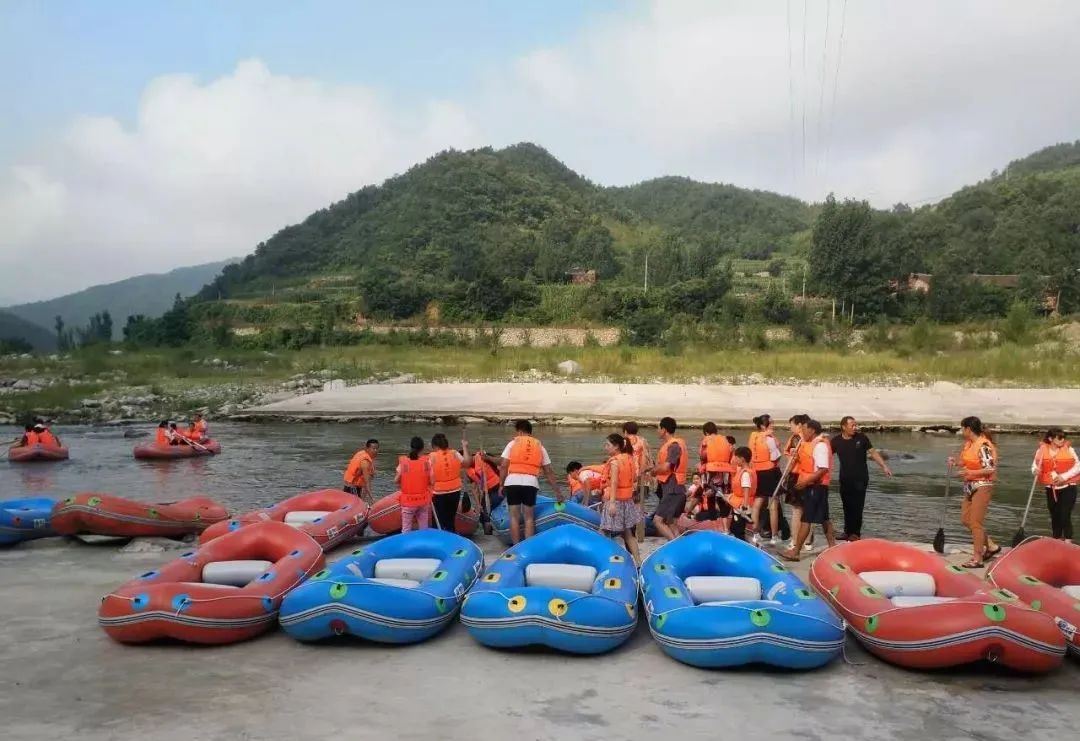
{"points": [[263, 463]]}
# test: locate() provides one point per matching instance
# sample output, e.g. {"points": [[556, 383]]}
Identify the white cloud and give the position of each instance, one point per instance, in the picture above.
{"points": [[930, 96]]}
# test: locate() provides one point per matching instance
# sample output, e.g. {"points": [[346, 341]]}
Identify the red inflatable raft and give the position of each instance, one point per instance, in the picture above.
{"points": [[385, 517], [1045, 573], [168, 452], [913, 608], [330, 516], [104, 514], [228, 590], [38, 452]]}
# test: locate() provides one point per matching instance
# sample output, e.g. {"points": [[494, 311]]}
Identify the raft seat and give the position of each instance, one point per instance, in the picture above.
{"points": [[910, 601], [901, 583], [726, 589], [405, 569], [570, 576], [403, 583], [301, 517], [1073, 590], [234, 573]]}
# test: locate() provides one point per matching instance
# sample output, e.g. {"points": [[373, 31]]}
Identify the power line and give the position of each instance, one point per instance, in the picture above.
{"points": [[821, 94], [802, 91], [791, 100], [836, 79]]}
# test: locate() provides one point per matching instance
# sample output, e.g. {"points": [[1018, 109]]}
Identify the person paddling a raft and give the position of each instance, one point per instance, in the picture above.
{"points": [[977, 466]]}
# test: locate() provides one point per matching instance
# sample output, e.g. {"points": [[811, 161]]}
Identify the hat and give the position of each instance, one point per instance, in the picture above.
{"points": [[39, 426]]}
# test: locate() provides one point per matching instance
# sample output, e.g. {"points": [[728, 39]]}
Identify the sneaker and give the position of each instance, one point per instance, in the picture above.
{"points": [[808, 547], [755, 540], [774, 542]]}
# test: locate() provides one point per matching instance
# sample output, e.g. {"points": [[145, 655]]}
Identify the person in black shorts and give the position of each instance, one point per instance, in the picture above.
{"points": [[670, 472], [814, 466], [523, 459]]}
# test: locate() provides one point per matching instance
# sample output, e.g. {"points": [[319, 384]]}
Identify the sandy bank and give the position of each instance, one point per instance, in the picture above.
{"points": [[587, 403]]}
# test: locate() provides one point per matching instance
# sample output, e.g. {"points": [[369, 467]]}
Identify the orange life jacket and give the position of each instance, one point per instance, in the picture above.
{"points": [[969, 458], [526, 456], [48, 439], [447, 468], [1056, 461], [32, 438], [741, 497], [490, 478], [592, 483], [162, 437], [354, 473], [804, 462], [717, 454], [199, 430], [662, 459], [414, 482], [760, 458], [624, 484], [639, 453]]}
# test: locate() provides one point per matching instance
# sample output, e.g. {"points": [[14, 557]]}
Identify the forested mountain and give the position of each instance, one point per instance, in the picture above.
{"points": [[15, 330], [1055, 157]]}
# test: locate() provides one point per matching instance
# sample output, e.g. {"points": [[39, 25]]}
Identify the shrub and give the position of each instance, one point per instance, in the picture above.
{"points": [[1018, 326]]}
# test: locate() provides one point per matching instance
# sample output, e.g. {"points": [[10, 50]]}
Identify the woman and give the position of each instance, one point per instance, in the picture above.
{"points": [[765, 454], [1058, 468], [621, 514], [792, 495], [446, 467], [978, 468], [413, 479]]}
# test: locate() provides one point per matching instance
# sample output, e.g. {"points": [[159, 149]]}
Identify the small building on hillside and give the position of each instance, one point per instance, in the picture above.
{"points": [[581, 276], [920, 283]]}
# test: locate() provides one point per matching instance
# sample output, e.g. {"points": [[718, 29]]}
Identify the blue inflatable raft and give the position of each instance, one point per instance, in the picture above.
{"points": [[549, 513], [25, 519], [401, 589], [568, 588], [715, 601]]}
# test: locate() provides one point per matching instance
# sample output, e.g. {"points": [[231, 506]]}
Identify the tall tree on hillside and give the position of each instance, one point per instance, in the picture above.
{"points": [[846, 259], [61, 343]]}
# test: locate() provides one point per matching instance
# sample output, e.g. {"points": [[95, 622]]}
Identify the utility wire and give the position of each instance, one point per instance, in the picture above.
{"points": [[802, 91], [836, 79], [821, 94], [791, 100]]}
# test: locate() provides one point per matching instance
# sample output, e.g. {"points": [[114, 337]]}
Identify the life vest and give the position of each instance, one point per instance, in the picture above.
{"points": [[414, 482], [639, 453], [32, 438], [741, 497], [624, 484], [590, 483], [970, 459], [526, 456], [447, 468], [662, 459], [1058, 461], [717, 452], [199, 430], [760, 457], [490, 478], [162, 437], [804, 460], [354, 473], [48, 439]]}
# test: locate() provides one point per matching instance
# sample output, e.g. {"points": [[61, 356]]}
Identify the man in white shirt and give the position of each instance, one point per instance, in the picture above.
{"points": [[814, 474], [522, 461]]}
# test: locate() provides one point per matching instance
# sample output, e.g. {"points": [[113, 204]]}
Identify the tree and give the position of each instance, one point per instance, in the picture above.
{"points": [[846, 256], [61, 338]]}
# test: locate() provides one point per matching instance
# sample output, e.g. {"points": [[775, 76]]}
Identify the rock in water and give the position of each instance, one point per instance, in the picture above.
{"points": [[569, 367]]}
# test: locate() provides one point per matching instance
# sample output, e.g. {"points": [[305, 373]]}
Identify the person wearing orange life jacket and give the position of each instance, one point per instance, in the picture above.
{"points": [[977, 466], [620, 514], [583, 481], [163, 437], [45, 436], [446, 469], [28, 438], [523, 458], [814, 468], [360, 473], [643, 463], [413, 479], [714, 457], [670, 472], [1058, 468], [744, 486], [484, 475], [764, 460], [199, 430]]}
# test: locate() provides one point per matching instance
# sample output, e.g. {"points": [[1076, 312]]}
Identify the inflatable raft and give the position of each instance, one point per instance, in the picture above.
{"points": [[25, 519], [228, 590], [1045, 573], [29, 453], [715, 601], [568, 588], [385, 516], [549, 513], [330, 516], [402, 589], [169, 452], [104, 514], [913, 608]]}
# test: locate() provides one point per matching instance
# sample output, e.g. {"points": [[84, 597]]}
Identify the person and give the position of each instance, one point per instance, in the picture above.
{"points": [[44, 436], [360, 473], [164, 436], [413, 480], [582, 481], [446, 467], [485, 480], [523, 458], [792, 495], [620, 513], [175, 437], [700, 500], [670, 474], [199, 430], [714, 456], [1058, 468], [814, 468], [642, 465], [765, 454], [977, 466], [744, 485], [851, 448]]}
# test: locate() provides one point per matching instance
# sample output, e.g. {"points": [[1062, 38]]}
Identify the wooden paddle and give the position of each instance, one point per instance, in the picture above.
{"points": [[939, 536], [1020, 534]]}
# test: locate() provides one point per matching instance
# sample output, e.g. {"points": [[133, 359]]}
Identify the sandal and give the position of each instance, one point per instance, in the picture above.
{"points": [[973, 564], [987, 555], [787, 556]]}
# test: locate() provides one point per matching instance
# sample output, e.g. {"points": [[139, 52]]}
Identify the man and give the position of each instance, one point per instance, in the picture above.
{"points": [[519, 470], [360, 472], [642, 464], [44, 435], [670, 473], [852, 448], [813, 466], [199, 430]]}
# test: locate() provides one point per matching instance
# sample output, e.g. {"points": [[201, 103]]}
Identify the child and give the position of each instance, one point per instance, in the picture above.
{"points": [[413, 479], [584, 480], [743, 491]]}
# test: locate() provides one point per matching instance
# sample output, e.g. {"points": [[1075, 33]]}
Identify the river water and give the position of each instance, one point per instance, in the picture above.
{"points": [[264, 463]]}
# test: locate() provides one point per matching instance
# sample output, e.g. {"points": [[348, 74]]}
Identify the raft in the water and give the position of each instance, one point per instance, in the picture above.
{"points": [[228, 590], [713, 600], [25, 519], [105, 514], [568, 588], [330, 516], [548, 513], [384, 517], [38, 452], [153, 451], [1045, 573], [401, 589], [912, 608]]}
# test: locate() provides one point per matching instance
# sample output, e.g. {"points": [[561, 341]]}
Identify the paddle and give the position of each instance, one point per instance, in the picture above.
{"points": [[192, 443], [939, 536], [1020, 534]]}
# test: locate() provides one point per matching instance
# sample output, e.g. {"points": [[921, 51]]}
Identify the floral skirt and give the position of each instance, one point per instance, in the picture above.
{"points": [[627, 515]]}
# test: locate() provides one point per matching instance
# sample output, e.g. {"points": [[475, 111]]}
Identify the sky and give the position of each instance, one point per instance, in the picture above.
{"points": [[137, 137]]}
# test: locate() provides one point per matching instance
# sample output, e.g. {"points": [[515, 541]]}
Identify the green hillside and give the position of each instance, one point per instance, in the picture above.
{"points": [[150, 295], [13, 327], [1055, 157]]}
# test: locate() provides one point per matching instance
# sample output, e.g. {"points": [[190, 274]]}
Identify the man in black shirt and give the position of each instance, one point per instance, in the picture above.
{"points": [[852, 447]]}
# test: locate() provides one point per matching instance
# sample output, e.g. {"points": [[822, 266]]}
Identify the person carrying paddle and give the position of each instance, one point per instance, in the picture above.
{"points": [[1058, 468], [977, 466], [199, 430], [813, 466], [360, 473], [483, 473], [523, 459]]}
